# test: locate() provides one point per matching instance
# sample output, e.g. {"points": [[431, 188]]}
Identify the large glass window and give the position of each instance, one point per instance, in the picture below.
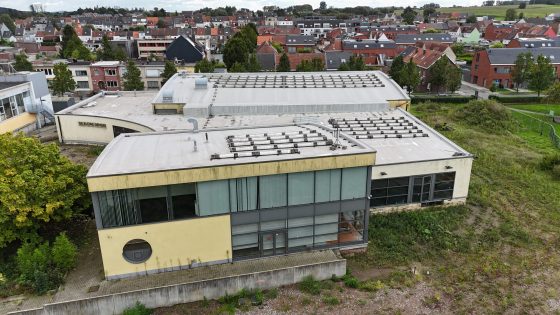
{"points": [[273, 191], [243, 194], [389, 191], [183, 200], [213, 197], [117, 208], [153, 204], [300, 188], [444, 184], [354, 183], [327, 185]]}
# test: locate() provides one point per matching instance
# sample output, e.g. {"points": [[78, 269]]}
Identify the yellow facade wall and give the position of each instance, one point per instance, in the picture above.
{"points": [[17, 122], [174, 244], [226, 172], [402, 104], [174, 106]]}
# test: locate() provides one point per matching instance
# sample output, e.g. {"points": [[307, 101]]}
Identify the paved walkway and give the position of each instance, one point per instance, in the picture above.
{"points": [[80, 290]]}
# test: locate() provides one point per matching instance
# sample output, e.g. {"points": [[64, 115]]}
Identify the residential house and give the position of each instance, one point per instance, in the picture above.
{"points": [[411, 39], [185, 50], [424, 58], [106, 76]]}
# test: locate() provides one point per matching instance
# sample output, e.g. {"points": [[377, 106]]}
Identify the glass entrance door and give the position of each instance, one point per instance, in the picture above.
{"points": [[422, 188], [273, 243]]}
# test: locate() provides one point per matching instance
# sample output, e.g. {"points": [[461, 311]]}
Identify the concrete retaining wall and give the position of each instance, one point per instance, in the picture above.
{"points": [[191, 292]]}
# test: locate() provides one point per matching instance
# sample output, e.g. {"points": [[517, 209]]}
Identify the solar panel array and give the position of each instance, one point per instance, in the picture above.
{"points": [[254, 145], [378, 127], [296, 81]]}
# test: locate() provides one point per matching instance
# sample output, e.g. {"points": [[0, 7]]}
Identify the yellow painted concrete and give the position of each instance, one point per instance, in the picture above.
{"points": [[18, 122], [175, 106], [402, 104], [174, 244], [227, 171]]}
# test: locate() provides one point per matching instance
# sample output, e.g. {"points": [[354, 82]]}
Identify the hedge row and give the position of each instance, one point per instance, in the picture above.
{"points": [[441, 99], [518, 99]]}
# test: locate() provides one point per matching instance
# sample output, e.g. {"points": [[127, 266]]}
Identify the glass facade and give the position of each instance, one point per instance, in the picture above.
{"points": [[12, 106], [413, 189]]}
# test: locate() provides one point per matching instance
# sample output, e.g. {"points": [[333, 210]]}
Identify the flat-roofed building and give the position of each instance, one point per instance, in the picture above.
{"points": [[247, 192]]}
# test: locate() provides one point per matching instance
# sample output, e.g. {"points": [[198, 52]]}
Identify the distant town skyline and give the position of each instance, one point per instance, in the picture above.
{"points": [[185, 5]]}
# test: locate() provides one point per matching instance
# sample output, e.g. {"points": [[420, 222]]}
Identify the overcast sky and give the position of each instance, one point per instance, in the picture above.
{"points": [[181, 5]]}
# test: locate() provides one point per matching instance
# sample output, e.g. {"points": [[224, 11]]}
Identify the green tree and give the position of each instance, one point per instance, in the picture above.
{"points": [[253, 64], [168, 71], [408, 15], [238, 67], [7, 20], [396, 69], [322, 6], [63, 81], [438, 74], [343, 67], [317, 64], [161, 23], [120, 54], [471, 19], [553, 94], [22, 64], [283, 64], [304, 66], [410, 75], [356, 63], [240, 46], [132, 79], [106, 52], [72, 46], [497, 45], [204, 66], [38, 186], [453, 78], [520, 70], [458, 48], [541, 74], [511, 14]]}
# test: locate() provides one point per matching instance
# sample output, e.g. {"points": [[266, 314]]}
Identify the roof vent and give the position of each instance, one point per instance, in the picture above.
{"points": [[201, 83]]}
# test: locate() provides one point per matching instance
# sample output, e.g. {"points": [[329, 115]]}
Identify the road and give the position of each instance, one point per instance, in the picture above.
{"points": [[469, 89]]}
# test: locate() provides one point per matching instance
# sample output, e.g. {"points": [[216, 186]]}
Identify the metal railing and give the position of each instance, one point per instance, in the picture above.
{"points": [[537, 125]]}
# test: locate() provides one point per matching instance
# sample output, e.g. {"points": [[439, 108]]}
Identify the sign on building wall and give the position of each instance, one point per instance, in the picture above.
{"points": [[91, 124]]}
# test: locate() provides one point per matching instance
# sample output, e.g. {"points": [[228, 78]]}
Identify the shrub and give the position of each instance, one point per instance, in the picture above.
{"points": [[551, 163], [514, 99], [556, 171], [331, 300], [350, 281], [487, 114], [138, 309], [494, 87], [310, 285], [371, 286], [64, 253], [441, 99]]}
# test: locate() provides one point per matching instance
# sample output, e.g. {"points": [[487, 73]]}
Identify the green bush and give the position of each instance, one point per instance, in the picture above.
{"points": [[138, 309], [310, 285], [330, 300], [41, 267], [350, 281], [441, 99], [494, 87], [486, 114], [516, 99], [551, 163], [64, 253]]}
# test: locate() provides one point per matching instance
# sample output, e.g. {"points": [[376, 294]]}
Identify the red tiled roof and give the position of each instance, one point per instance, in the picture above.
{"points": [[423, 58]]}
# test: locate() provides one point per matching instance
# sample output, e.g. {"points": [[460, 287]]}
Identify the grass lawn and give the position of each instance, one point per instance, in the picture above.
{"points": [[539, 108], [498, 253], [536, 10]]}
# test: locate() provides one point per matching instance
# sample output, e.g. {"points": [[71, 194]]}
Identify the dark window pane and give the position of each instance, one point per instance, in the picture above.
{"points": [[397, 200], [379, 183], [445, 177], [379, 192], [444, 194], [153, 210], [398, 191], [443, 185], [183, 206], [399, 181]]}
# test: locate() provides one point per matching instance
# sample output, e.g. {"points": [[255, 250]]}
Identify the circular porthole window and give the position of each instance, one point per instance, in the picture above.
{"points": [[137, 251]]}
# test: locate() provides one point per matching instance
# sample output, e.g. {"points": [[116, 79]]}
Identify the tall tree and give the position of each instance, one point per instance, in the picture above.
{"points": [[132, 79], [58, 190], [204, 66], [120, 54], [408, 15], [410, 76], [553, 94], [356, 63], [253, 64], [541, 74], [453, 78], [238, 67], [106, 52], [438, 74], [396, 69], [7, 20], [63, 81], [520, 70], [238, 48], [322, 6], [510, 14], [283, 64], [168, 71], [22, 64]]}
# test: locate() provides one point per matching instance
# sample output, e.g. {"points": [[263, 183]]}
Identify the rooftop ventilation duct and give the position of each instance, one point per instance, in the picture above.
{"points": [[194, 122]]}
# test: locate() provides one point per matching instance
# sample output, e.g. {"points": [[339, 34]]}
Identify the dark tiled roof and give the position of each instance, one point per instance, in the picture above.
{"points": [[413, 38], [507, 56]]}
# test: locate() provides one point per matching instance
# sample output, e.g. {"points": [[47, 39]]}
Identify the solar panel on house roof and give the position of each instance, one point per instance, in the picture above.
{"points": [[378, 128], [297, 81]]}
